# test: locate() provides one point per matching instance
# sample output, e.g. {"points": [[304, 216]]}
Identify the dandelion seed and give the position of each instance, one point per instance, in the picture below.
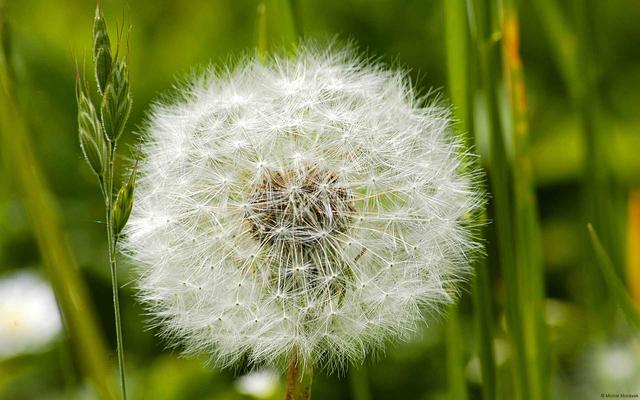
{"points": [[323, 215]]}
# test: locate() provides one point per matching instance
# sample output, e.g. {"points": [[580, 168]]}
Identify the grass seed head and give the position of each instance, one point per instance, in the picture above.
{"points": [[101, 51], [90, 133]]}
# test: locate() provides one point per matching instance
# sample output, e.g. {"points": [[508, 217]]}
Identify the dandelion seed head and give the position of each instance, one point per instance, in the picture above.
{"points": [[308, 203]]}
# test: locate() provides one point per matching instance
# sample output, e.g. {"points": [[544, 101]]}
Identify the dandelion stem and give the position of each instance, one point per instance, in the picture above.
{"points": [[299, 378], [113, 240]]}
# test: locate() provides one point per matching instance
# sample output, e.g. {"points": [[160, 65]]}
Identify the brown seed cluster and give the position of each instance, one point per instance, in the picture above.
{"points": [[298, 207]]}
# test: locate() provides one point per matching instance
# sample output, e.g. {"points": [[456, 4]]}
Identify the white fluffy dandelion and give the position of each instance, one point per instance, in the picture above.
{"points": [[310, 205]]}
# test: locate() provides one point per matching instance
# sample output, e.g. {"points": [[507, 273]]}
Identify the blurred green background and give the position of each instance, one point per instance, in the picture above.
{"points": [[167, 40]]}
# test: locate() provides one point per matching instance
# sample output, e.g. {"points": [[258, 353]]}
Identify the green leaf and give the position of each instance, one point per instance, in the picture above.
{"points": [[615, 285]]}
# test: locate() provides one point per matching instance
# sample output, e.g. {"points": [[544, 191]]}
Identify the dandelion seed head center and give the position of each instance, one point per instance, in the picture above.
{"points": [[301, 206]]}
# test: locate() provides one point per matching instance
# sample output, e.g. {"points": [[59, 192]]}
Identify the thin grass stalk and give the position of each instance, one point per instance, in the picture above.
{"points": [[261, 27], [483, 321], [456, 383], [613, 281], [455, 25], [562, 42], [622, 298], [113, 268], [280, 25], [58, 260], [462, 87], [487, 36], [528, 250]]}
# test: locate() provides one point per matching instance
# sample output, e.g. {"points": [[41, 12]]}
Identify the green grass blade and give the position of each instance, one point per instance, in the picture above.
{"points": [[617, 289], [483, 320], [528, 247], [261, 29], [58, 261], [561, 39], [462, 88], [280, 25], [458, 66], [500, 174], [456, 382]]}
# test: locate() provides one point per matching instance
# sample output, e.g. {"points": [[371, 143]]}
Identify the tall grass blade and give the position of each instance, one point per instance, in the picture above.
{"points": [[261, 29], [456, 383], [528, 248], [487, 35], [462, 88], [280, 25]]}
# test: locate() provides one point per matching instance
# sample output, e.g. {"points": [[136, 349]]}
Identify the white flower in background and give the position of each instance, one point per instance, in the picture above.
{"points": [[611, 367], [618, 365], [29, 316], [259, 384], [310, 204]]}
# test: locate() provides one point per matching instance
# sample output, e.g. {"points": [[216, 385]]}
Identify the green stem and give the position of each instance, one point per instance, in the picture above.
{"points": [[462, 74], [456, 382], [279, 27], [108, 200], [483, 319], [261, 28], [487, 36], [528, 247], [299, 379]]}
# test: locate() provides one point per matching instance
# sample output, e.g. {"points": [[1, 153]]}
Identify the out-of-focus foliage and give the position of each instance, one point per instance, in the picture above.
{"points": [[166, 40]]}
